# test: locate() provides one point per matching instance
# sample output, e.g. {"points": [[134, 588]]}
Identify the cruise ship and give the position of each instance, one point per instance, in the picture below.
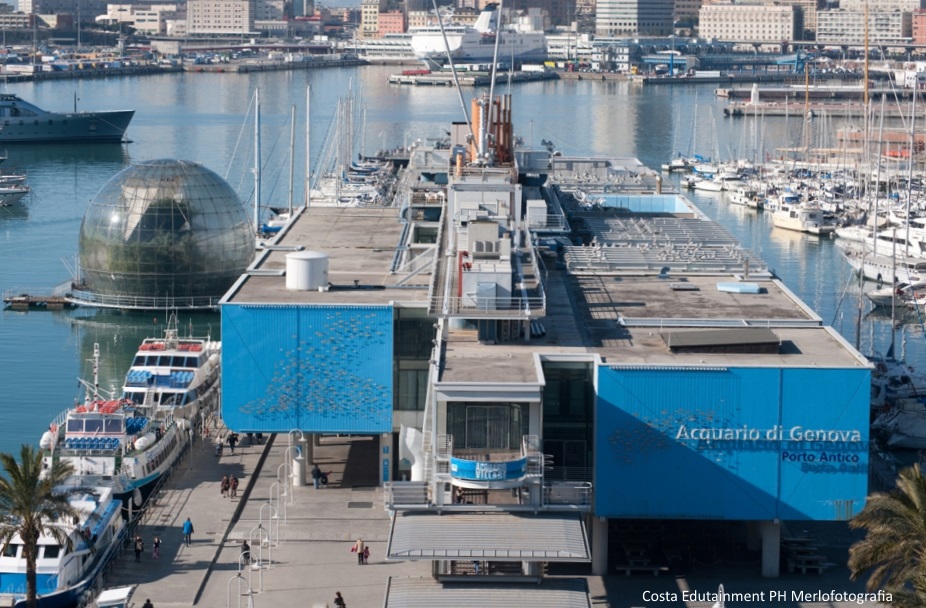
{"points": [[476, 44]]}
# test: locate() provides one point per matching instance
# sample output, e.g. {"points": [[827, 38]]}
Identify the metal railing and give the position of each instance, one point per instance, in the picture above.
{"points": [[476, 306], [123, 302]]}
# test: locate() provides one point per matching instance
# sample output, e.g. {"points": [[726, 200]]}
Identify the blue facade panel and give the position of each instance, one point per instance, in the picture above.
{"points": [[321, 369], [737, 443]]}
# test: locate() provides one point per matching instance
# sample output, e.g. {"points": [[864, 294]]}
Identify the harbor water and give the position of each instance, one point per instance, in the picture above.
{"points": [[204, 118]]}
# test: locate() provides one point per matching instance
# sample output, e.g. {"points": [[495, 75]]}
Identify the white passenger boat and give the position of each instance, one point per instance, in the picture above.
{"points": [[66, 575], [131, 442], [476, 44]]}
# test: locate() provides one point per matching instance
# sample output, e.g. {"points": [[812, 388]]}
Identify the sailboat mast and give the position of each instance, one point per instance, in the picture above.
{"points": [[865, 92], [256, 160], [292, 158], [916, 93], [308, 165]]}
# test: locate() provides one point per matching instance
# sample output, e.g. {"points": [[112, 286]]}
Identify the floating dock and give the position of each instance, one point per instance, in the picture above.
{"points": [[37, 302], [800, 93]]}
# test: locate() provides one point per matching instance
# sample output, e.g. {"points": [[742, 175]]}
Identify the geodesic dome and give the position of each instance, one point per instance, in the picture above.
{"points": [[164, 229]]}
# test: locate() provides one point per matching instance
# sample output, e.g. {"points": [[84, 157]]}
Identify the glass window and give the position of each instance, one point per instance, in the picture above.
{"points": [[487, 426], [177, 361], [113, 425], [11, 550], [75, 426], [93, 426], [50, 551], [413, 389]]}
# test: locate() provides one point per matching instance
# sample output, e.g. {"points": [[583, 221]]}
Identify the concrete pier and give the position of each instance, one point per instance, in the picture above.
{"points": [[310, 555]]}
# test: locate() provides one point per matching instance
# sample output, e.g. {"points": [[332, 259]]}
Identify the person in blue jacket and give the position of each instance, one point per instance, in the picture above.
{"points": [[188, 532]]}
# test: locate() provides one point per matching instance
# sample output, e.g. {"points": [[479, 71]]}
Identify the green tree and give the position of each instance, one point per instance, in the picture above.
{"points": [[894, 547], [31, 501]]}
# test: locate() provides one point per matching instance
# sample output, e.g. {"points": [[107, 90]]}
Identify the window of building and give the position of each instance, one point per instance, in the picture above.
{"points": [[484, 426]]}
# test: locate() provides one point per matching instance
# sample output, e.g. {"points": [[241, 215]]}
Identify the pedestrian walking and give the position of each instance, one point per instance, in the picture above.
{"points": [[156, 548], [139, 547], [358, 549], [232, 440], [338, 600], [147, 604], [188, 532], [225, 486], [316, 475], [234, 486], [366, 555], [245, 552]]}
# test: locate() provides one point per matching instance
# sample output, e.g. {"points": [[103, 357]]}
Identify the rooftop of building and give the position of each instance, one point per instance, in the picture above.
{"points": [[361, 246]]}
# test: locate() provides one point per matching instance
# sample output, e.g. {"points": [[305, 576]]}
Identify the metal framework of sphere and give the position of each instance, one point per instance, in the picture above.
{"points": [[165, 232]]}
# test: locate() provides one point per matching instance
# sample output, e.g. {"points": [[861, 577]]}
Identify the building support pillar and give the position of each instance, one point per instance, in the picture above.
{"points": [[385, 458], [771, 548], [599, 546]]}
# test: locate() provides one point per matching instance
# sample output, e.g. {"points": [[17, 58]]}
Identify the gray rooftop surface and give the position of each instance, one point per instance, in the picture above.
{"points": [[360, 244], [488, 536], [428, 593]]}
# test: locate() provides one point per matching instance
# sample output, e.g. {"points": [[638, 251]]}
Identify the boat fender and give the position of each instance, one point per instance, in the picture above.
{"points": [[145, 441]]}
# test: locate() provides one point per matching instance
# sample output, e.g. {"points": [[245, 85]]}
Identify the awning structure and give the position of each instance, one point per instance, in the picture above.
{"points": [[544, 537], [428, 593]]}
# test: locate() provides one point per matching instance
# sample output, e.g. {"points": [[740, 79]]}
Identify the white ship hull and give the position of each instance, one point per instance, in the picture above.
{"points": [[468, 46]]}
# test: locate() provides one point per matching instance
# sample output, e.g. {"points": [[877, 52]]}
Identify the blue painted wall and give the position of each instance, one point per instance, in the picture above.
{"points": [[314, 368], [738, 443]]}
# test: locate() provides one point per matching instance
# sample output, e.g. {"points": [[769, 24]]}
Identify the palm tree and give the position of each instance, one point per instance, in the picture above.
{"points": [[894, 547], [31, 500]]}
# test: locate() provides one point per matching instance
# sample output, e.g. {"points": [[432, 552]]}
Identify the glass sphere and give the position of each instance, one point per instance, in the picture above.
{"points": [[165, 229]]}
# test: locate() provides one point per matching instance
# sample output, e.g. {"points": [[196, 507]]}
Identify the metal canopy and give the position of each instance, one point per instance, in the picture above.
{"points": [[428, 593], [502, 537]]}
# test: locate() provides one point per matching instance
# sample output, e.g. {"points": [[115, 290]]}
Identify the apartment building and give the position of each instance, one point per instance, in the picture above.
{"points": [[751, 22], [220, 17], [844, 26], [634, 17]]}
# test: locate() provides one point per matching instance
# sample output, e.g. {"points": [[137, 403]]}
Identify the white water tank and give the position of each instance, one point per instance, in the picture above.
{"points": [[306, 270]]}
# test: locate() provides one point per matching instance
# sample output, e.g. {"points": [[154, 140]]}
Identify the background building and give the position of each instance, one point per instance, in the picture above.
{"points": [[220, 17], [634, 17], [751, 22], [848, 27]]}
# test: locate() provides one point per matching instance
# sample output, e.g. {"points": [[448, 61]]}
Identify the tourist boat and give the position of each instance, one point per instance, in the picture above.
{"points": [[66, 575], [23, 122], [131, 442], [476, 44]]}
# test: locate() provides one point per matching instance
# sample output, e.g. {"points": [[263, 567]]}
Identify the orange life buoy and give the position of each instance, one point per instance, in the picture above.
{"points": [[196, 347], [157, 346]]}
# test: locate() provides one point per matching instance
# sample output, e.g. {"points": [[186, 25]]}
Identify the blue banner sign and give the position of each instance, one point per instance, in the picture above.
{"points": [[477, 470]]}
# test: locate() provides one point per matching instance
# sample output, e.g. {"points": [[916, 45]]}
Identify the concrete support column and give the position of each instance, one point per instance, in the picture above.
{"points": [[385, 458], [532, 569], [308, 447], [316, 439], [599, 546], [753, 536], [771, 548]]}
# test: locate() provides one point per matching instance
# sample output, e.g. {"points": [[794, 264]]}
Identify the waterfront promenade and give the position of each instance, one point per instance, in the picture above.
{"points": [[310, 557]]}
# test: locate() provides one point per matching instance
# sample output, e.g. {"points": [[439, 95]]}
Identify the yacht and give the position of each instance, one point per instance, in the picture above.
{"points": [[66, 574], [476, 44], [24, 122], [801, 216]]}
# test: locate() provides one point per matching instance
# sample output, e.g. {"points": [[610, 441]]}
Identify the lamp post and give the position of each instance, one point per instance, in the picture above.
{"points": [[239, 579]]}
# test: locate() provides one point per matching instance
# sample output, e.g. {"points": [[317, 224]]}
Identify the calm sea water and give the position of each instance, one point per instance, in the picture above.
{"points": [[202, 117]]}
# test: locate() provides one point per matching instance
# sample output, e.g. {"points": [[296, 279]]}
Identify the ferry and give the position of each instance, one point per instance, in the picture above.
{"points": [[24, 122], [476, 44], [130, 442], [66, 574]]}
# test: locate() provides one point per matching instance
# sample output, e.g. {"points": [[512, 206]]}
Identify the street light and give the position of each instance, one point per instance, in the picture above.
{"points": [[240, 580]]}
